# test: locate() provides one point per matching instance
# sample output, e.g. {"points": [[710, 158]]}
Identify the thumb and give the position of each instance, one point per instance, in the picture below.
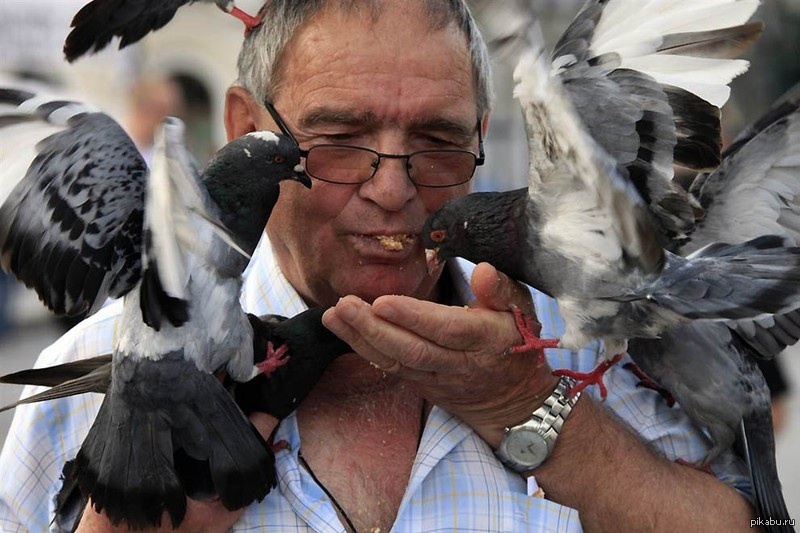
{"points": [[494, 290]]}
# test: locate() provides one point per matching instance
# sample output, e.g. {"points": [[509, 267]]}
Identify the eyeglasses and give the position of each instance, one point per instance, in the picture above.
{"points": [[350, 165]]}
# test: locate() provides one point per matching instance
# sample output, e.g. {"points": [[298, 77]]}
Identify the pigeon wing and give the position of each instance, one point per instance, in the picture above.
{"points": [[648, 79], [587, 210], [755, 192], [756, 189], [99, 21], [71, 227]]}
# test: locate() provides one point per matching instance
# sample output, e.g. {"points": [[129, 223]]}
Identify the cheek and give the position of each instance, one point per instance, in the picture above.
{"points": [[433, 199], [308, 208]]}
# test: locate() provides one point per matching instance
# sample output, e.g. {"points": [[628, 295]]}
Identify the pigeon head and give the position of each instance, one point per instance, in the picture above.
{"points": [[469, 227], [244, 177]]}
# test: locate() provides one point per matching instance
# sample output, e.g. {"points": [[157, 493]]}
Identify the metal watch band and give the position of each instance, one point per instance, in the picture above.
{"points": [[546, 421]]}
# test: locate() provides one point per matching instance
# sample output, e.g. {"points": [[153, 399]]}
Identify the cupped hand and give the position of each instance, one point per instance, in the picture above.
{"points": [[457, 357]]}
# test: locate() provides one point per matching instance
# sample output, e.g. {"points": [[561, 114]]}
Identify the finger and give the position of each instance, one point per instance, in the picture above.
{"points": [[264, 423], [495, 290], [385, 345], [457, 328]]}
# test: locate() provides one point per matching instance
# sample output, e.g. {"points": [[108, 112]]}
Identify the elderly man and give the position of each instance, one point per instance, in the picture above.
{"points": [[390, 100]]}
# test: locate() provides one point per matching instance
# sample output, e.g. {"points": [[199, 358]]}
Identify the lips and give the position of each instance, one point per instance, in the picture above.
{"points": [[385, 245]]}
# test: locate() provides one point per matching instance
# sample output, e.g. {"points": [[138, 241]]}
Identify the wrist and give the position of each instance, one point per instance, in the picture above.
{"points": [[519, 407], [530, 443]]}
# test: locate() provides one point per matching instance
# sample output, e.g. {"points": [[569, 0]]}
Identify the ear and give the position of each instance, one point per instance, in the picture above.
{"points": [[485, 124], [242, 113]]}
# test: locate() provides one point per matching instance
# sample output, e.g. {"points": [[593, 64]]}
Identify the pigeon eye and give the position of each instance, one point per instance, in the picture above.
{"points": [[438, 235], [278, 159]]}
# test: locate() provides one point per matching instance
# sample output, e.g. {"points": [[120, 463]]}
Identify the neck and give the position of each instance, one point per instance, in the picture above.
{"points": [[351, 379]]}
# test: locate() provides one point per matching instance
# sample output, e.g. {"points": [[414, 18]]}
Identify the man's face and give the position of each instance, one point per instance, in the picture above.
{"points": [[395, 87]]}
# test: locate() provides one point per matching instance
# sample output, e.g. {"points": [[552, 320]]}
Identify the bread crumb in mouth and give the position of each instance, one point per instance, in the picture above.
{"points": [[394, 243]]}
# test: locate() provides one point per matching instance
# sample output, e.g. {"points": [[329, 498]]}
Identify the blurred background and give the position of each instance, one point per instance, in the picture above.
{"points": [[185, 68]]}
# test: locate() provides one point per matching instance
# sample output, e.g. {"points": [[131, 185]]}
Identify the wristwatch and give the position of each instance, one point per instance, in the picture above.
{"points": [[527, 445]]}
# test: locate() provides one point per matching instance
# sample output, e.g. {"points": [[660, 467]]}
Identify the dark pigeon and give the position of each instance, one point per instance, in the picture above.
{"points": [[88, 221], [710, 368], [99, 21]]}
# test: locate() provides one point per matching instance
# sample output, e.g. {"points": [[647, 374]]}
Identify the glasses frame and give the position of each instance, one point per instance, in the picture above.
{"points": [[479, 159]]}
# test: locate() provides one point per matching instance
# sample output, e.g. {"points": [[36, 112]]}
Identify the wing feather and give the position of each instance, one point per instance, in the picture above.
{"points": [[71, 227]]}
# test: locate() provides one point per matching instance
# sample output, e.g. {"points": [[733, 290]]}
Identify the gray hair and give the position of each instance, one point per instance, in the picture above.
{"points": [[259, 58]]}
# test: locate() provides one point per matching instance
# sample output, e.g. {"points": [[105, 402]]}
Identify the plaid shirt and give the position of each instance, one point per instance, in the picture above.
{"points": [[456, 484]]}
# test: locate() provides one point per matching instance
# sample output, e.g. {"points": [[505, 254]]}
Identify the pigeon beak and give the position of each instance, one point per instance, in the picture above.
{"points": [[432, 260], [300, 176]]}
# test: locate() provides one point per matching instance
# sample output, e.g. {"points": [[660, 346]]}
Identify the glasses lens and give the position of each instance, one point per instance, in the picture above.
{"points": [[441, 168], [340, 164]]}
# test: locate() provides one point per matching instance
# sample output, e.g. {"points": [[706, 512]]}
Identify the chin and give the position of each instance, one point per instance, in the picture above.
{"points": [[380, 279]]}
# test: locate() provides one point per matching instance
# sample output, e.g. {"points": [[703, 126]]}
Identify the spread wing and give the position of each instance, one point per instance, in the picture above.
{"points": [[585, 209], [99, 21], [754, 192], [71, 227], [647, 80], [756, 189]]}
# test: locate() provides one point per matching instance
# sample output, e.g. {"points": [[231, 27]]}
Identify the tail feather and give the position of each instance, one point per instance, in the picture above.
{"points": [[166, 431], [69, 379], [57, 374], [757, 439], [731, 282]]}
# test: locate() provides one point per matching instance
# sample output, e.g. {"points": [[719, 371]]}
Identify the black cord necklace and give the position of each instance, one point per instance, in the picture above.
{"points": [[325, 489]]}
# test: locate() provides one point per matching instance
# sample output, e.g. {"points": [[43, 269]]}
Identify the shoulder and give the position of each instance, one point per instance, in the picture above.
{"points": [[91, 337]]}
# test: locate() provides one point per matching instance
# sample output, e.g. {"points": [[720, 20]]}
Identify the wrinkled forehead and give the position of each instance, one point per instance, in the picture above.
{"points": [[354, 25]]}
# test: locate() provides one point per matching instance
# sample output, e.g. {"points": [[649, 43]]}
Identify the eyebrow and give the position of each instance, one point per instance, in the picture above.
{"points": [[349, 118]]}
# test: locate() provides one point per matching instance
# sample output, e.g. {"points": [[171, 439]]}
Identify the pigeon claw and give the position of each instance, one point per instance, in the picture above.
{"points": [[274, 359], [250, 22], [530, 336], [647, 382], [280, 445], [595, 377]]}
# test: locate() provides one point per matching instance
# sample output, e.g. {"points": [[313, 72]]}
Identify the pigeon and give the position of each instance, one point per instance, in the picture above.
{"points": [[307, 345], [88, 221], [99, 21], [630, 90], [710, 368], [312, 347]]}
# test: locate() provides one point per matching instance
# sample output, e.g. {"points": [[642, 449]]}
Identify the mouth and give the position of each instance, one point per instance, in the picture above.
{"points": [[386, 245], [395, 242]]}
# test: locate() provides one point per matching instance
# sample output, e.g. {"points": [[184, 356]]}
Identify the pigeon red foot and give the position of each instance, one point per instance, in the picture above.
{"points": [[531, 339], [647, 382], [249, 21], [274, 359], [595, 377], [282, 444]]}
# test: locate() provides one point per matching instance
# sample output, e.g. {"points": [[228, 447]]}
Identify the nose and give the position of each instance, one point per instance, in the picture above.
{"points": [[390, 187]]}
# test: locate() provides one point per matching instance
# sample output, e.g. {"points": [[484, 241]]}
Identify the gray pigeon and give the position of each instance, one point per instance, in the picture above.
{"points": [[630, 91], [99, 21], [710, 368], [308, 348], [89, 221]]}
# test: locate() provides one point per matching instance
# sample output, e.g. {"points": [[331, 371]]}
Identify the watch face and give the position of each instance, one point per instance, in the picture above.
{"points": [[526, 447]]}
